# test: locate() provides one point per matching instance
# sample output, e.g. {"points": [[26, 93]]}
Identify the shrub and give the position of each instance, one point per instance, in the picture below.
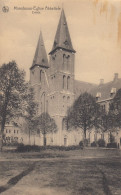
{"points": [[101, 143], [94, 144], [112, 145], [27, 148]]}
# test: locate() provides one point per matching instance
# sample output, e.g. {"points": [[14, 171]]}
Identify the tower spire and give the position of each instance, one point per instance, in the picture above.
{"points": [[62, 38], [40, 57]]}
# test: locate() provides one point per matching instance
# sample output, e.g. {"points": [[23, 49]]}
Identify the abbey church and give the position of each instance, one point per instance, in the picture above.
{"points": [[54, 83]]}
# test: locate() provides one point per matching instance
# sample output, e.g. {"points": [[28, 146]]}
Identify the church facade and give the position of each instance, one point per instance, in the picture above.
{"points": [[53, 81]]}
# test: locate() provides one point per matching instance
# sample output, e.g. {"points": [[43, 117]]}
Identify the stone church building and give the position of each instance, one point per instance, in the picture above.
{"points": [[55, 86], [53, 81]]}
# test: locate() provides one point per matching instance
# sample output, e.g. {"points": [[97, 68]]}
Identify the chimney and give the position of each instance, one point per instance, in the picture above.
{"points": [[115, 76], [101, 81]]}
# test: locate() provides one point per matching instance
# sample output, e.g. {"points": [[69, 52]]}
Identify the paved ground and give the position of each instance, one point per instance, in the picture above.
{"points": [[85, 172]]}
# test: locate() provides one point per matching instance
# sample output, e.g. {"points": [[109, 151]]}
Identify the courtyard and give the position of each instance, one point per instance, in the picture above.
{"points": [[92, 171]]}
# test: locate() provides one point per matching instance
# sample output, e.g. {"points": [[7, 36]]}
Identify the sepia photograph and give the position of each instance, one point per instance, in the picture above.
{"points": [[60, 97]]}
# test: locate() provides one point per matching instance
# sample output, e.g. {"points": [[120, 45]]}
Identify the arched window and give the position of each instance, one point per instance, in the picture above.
{"points": [[40, 75], [64, 58], [68, 82], [68, 62], [64, 98], [47, 106], [68, 100], [44, 101], [64, 125], [41, 108], [64, 80]]}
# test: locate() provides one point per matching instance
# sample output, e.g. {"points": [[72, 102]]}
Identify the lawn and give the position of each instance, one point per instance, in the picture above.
{"points": [[85, 172]]}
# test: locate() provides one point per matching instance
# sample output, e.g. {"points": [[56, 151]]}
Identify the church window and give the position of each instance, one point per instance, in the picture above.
{"points": [[44, 101], [64, 58], [64, 98], [68, 100], [64, 125], [68, 62], [41, 107], [46, 106], [65, 141], [68, 82], [40, 75], [64, 79]]}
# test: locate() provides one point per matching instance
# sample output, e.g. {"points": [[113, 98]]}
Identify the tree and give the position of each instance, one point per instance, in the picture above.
{"points": [[111, 120], [31, 110], [12, 88], [46, 125], [105, 121], [115, 110], [84, 113], [27, 122]]}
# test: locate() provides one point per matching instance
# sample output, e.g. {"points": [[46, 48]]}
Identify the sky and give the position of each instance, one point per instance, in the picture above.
{"points": [[94, 26]]}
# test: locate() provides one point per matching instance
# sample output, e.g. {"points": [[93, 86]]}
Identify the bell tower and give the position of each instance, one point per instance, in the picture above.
{"points": [[61, 76], [38, 74]]}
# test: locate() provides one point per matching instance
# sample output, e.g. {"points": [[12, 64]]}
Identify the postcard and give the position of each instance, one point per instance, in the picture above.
{"points": [[69, 54]]}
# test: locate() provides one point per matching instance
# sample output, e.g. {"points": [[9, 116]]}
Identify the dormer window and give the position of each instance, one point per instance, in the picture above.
{"points": [[98, 95], [113, 92]]}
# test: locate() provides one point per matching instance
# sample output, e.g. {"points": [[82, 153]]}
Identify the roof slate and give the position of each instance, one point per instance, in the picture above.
{"points": [[62, 37], [40, 57], [104, 89]]}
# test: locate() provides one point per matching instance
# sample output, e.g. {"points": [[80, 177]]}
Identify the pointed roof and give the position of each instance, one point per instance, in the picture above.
{"points": [[62, 37], [40, 57]]}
